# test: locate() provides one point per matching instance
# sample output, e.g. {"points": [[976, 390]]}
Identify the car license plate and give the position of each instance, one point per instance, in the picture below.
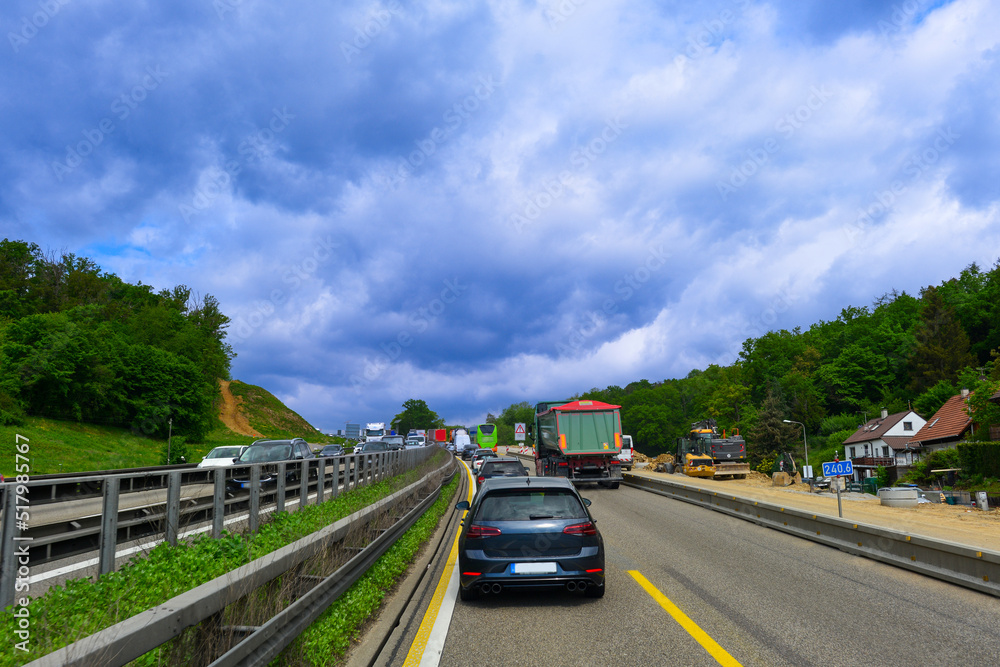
{"points": [[532, 568]]}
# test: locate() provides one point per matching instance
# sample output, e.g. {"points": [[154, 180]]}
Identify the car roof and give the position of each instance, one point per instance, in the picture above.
{"points": [[540, 483], [500, 459], [277, 442]]}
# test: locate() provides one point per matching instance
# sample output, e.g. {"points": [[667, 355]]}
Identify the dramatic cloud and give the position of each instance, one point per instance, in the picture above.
{"points": [[481, 203]]}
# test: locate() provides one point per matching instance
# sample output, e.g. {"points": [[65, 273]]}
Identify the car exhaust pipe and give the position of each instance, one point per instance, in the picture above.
{"points": [[571, 586], [485, 588], [497, 588]]}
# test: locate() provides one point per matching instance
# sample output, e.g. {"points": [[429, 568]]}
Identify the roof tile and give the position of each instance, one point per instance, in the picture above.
{"points": [[874, 428], [950, 421]]}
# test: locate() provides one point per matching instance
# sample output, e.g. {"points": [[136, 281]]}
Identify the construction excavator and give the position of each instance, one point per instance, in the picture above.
{"points": [[704, 452]]}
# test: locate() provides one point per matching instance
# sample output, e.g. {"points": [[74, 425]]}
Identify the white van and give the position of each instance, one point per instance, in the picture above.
{"points": [[626, 454], [463, 445]]}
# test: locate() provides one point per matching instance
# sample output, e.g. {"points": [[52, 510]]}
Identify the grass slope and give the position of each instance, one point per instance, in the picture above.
{"points": [[56, 446]]}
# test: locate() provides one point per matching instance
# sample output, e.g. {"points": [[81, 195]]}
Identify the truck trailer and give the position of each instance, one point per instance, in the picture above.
{"points": [[579, 440]]}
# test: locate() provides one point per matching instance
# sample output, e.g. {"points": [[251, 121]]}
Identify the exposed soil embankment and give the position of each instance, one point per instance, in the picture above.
{"points": [[230, 415]]}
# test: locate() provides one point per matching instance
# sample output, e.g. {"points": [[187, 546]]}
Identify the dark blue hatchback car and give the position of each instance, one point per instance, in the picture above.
{"points": [[529, 532]]}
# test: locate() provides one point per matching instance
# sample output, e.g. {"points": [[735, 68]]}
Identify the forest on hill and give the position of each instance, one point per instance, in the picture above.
{"points": [[77, 343], [901, 351]]}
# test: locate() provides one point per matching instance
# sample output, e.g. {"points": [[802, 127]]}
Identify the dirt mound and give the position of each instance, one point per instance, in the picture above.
{"points": [[658, 464], [230, 415]]}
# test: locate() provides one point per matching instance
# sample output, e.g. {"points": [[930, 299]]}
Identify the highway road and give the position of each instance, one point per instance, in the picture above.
{"points": [[689, 586]]}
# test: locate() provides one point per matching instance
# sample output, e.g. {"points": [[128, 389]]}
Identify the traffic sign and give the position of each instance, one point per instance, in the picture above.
{"points": [[519, 431], [836, 468]]}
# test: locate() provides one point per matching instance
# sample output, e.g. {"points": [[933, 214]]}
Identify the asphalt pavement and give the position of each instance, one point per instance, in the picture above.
{"points": [[759, 596]]}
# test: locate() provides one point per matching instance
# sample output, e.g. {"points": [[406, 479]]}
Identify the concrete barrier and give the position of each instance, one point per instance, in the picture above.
{"points": [[955, 563]]}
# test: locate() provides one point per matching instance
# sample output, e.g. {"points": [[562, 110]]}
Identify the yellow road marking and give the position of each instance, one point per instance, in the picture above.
{"points": [[709, 644], [416, 653]]}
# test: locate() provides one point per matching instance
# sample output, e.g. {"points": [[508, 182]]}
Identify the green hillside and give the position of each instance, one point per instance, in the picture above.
{"points": [[269, 416], [56, 446]]}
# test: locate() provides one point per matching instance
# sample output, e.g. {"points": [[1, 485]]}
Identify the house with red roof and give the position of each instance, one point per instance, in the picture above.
{"points": [[950, 425], [882, 441]]}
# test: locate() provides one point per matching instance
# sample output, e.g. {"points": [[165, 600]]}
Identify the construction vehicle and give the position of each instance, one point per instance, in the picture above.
{"points": [[727, 454], [579, 440]]}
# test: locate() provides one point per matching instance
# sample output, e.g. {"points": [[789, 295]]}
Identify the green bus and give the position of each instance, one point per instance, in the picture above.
{"points": [[486, 436]]}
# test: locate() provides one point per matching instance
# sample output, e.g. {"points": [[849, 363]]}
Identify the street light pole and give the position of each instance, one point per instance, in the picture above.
{"points": [[804, 439]]}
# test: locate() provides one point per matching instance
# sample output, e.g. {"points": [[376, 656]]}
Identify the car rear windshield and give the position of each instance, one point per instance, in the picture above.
{"points": [[503, 468], [528, 505], [224, 453], [267, 453]]}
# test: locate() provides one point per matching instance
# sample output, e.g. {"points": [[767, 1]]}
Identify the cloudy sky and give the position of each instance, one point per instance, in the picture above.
{"points": [[479, 203]]}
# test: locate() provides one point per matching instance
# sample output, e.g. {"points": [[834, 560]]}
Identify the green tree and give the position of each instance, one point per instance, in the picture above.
{"points": [[942, 347], [649, 428], [770, 433], [984, 412], [729, 398], [931, 400], [804, 399], [417, 415], [17, 267], [516, 413]]}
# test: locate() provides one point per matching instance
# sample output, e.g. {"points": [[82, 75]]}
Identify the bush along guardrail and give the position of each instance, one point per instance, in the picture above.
{"points": [[972, 568], [107, 512], [84, 607]]}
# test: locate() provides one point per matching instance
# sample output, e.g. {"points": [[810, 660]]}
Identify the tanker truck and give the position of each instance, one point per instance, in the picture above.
{"points": [[579, 440]]}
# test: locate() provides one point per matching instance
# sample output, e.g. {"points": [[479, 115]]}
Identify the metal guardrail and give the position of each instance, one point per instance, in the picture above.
{"points": [[132, 638], [158, 505], [958, 564]]}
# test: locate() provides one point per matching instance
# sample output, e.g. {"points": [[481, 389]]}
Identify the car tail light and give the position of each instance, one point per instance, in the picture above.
{"points": [[581, 529], [480, 479], [477, 532]]}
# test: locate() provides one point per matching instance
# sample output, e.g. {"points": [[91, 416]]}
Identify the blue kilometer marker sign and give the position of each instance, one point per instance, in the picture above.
{"points": [[835, 468]]}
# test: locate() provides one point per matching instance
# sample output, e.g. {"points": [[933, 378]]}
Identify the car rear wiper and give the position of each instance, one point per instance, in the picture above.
{"points": [[541, 516]]}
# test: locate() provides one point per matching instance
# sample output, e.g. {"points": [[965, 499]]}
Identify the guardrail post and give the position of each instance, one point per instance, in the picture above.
{"points": [[173, 507], [279, 493], [219, 503], [320, 480], [109, 527], [8, 559], [335, 490], [351, 474], [254, 517], [303, 483]]}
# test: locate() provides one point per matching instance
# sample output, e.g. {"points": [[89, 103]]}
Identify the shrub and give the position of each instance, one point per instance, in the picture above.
{"points": [[921, 473], [767, 463], [980, 458]]}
